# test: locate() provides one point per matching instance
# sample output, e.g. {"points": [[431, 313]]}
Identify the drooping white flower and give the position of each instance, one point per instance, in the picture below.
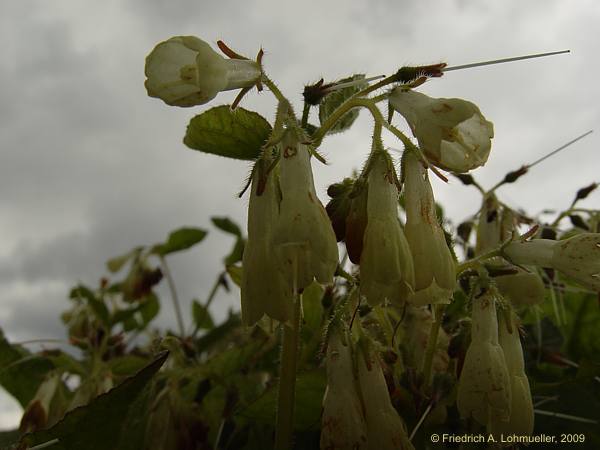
{"points": [[343, 423], [264, 289], [577, 257], [303, 239], [435, 276], [185, 71], [386, 265], [484, 385], [451, 132], [521, 411], [386, 429]]}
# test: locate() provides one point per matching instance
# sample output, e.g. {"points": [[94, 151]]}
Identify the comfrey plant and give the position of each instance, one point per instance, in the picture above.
{"points": [[396, 264], [370, 323]]}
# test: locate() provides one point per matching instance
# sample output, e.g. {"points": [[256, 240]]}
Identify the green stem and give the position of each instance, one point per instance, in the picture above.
{"points": [[432, 343], [305, 113], [174, 298], [473, 263], [210, 298], [287, 381]]}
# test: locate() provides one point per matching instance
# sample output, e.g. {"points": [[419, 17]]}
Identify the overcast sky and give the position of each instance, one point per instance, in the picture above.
{"points": [[90, 166]]}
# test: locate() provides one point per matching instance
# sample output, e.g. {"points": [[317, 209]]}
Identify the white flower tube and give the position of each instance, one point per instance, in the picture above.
{"points": [[386, 429], [521, 411], [264, 289], [484, 386], [435, 276], [578, 257], [186, 71], [304, 240], [386, 266], [451, 132], [343, 424]]}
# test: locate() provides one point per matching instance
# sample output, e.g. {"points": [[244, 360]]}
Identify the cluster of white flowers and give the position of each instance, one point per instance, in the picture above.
{"points": [[291, 243], [357, 410]]}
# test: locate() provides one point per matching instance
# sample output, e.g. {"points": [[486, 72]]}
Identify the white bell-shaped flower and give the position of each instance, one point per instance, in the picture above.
{"points": [[451, 132], [343, 423], [303, 239], [386, 265], [386, 429], [264, 289], [186, 71], [521, 411], [484, 385], [577, 257], [435, 268]]}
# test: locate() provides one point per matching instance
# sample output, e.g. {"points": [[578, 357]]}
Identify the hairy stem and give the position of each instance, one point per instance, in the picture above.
{"points": [[432, 343], [174, 298], [287, 376]]}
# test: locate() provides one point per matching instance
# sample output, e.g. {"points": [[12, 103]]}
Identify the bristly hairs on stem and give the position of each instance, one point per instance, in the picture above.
{"points": [[514, 175], [503, 60]]}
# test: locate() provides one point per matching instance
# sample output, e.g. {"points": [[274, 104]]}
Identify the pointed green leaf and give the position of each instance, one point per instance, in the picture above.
{"points": [[21, 372], [227, 225], [180, 239], [236, 253], [238, 134], [335, 99], [202, 317], [149, 309], [104, 423]]}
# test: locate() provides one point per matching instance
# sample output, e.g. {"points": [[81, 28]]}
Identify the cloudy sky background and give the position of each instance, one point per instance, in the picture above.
{"points": [[90, 166]]}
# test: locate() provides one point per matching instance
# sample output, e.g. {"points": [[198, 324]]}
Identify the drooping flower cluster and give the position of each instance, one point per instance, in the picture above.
{"points": [[357, 410], [520, 422], [435, 276], [386, 266], [484, 385], [343, 421], [290, 239]]}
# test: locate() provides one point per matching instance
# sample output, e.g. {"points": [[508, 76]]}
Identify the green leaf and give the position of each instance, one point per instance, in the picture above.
{"points": [[149, 309], [126, 365], [235, 273], [115, 264], [227, 225], [238, 134], [310, 388], [313, 311], [21, 372], [180, 239], [202, 317], [236, 253], [335, 99], [104, 423]]}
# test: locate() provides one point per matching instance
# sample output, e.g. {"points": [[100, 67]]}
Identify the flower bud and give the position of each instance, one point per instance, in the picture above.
{"points": [[35, 417], [521, 415], [435, 271], [386, 266], [521, 288], [343, 423], [577, 257], [303, 238], [386, 429], [484, 385], [185, 71], [451, 132], [356, 224], [264, 289]]}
